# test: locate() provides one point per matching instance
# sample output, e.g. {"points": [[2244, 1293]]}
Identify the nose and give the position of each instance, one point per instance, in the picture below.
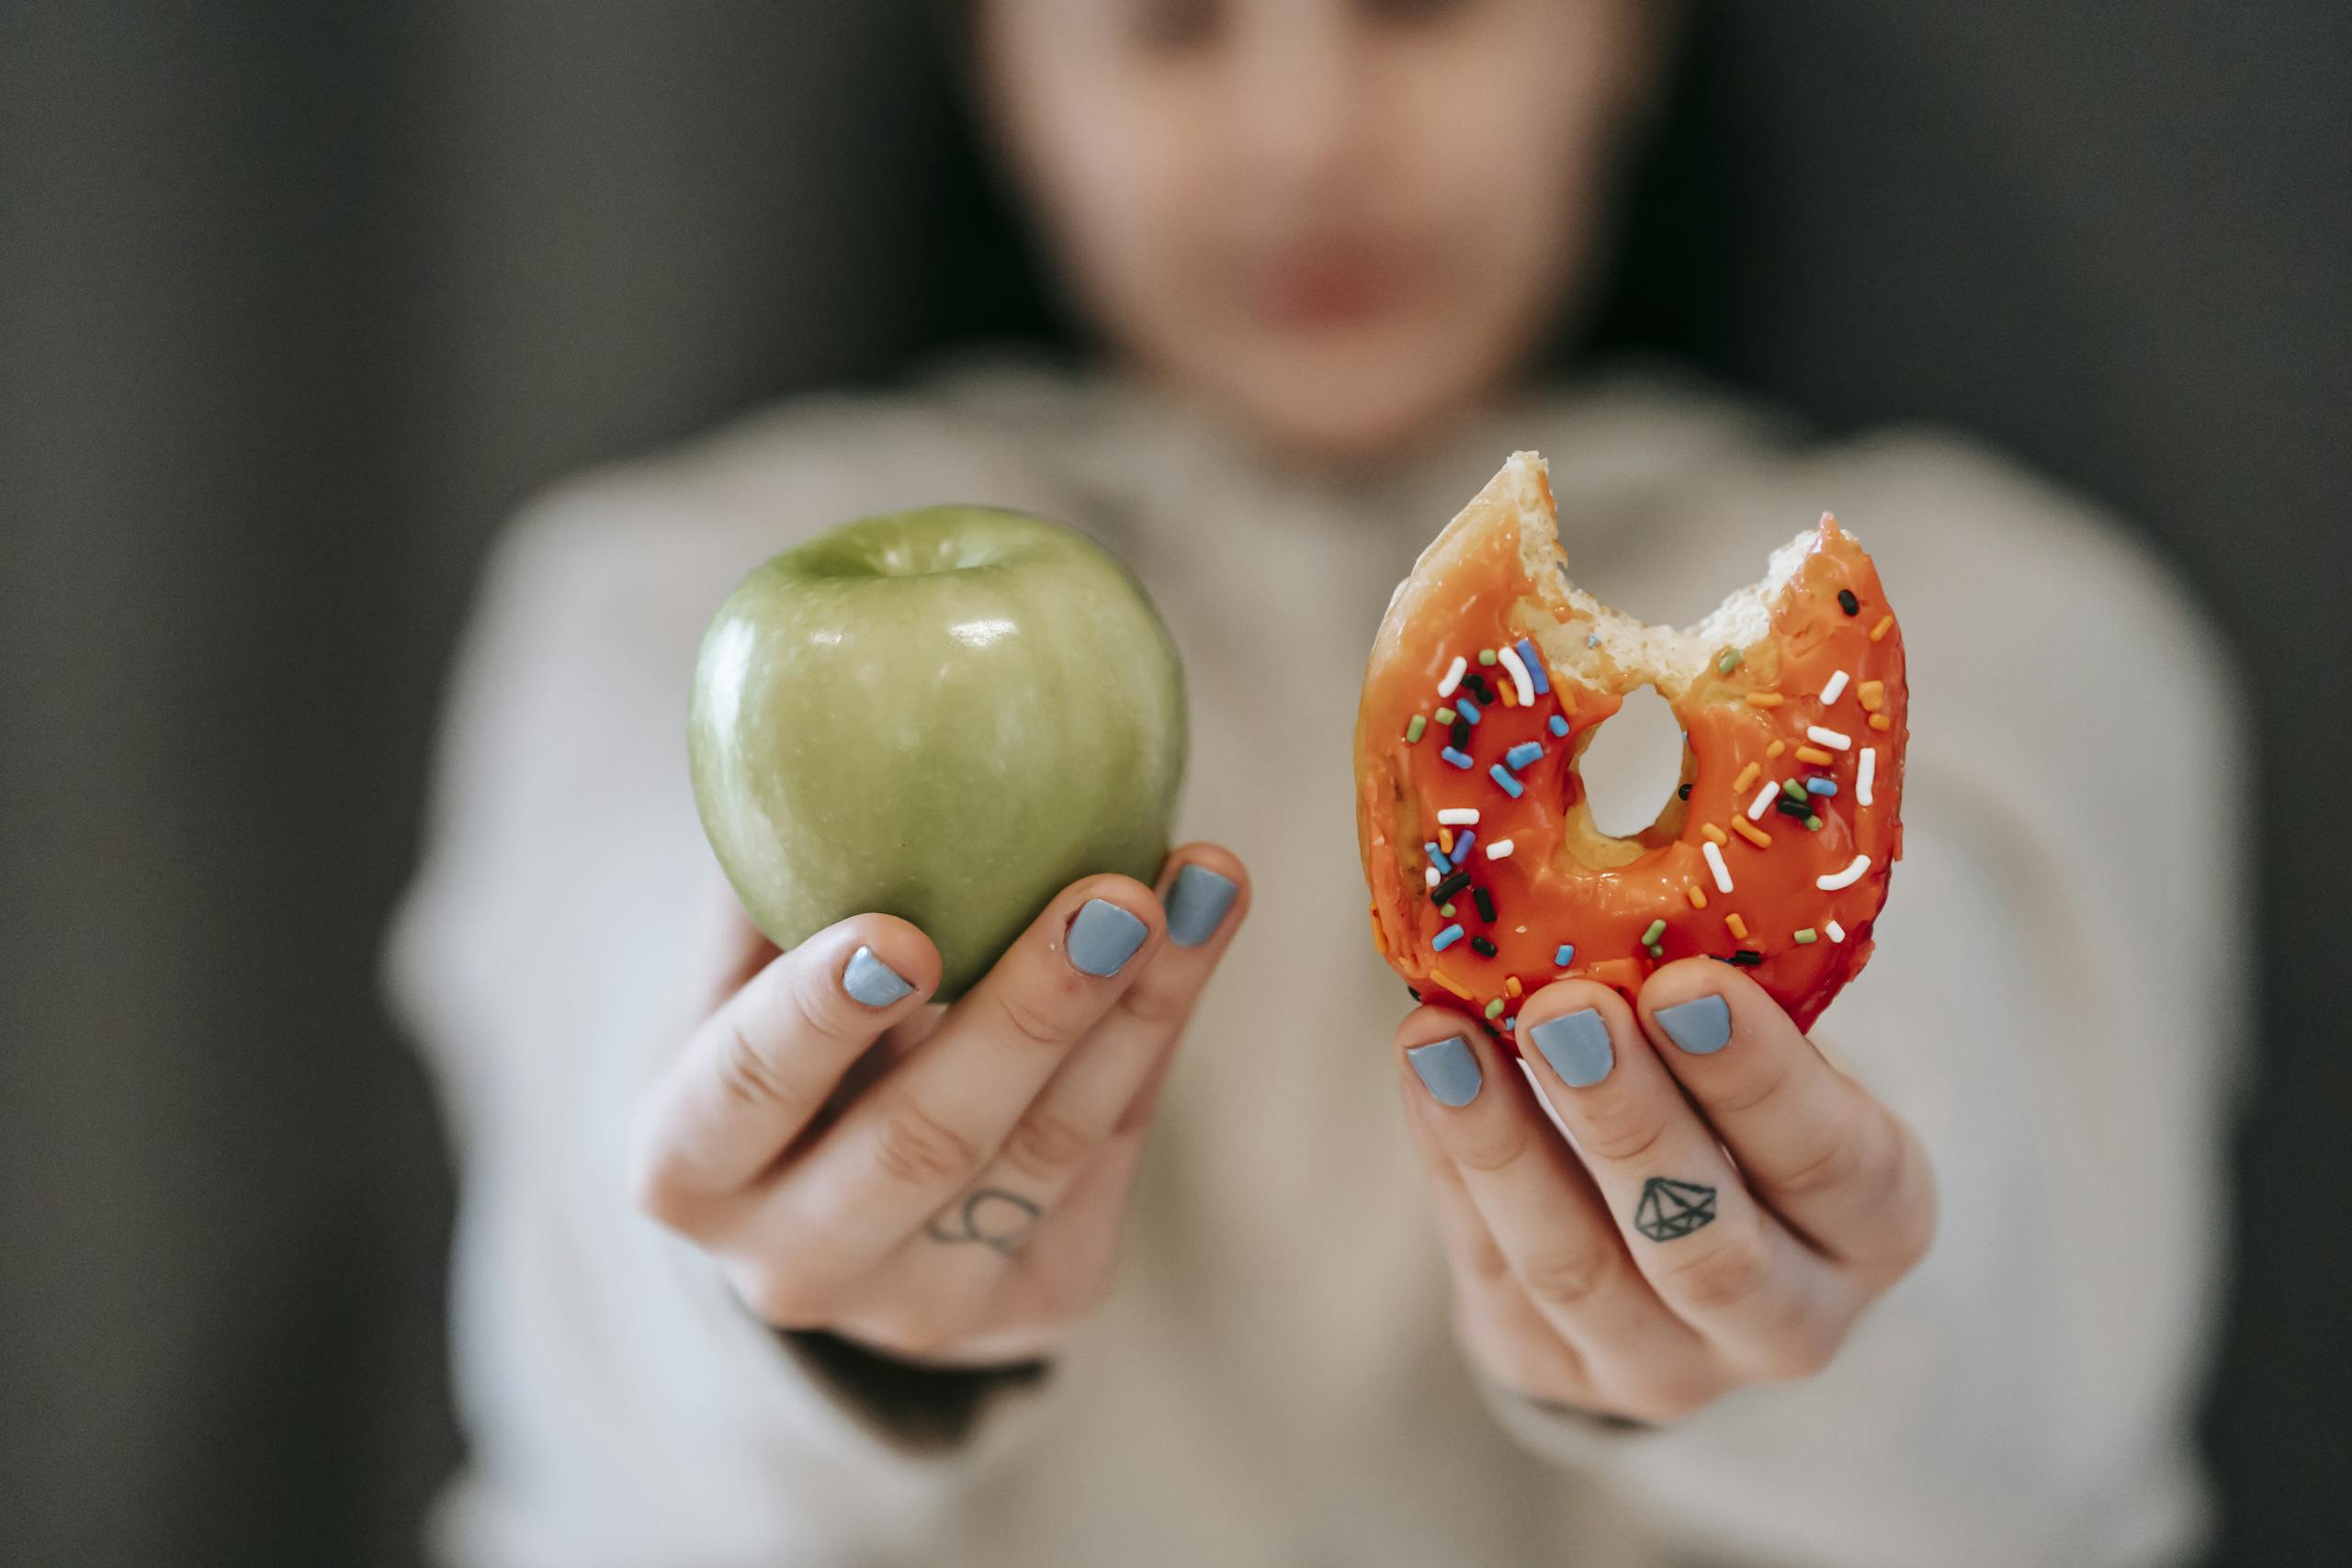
{"points": [[1300, 103]]}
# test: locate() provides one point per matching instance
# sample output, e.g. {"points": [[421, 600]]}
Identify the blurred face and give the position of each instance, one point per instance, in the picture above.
{"points": [[1337, 220]]}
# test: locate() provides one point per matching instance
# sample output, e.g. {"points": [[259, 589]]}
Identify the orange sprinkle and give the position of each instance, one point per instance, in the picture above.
{"points": [[1713, 834], [1765, 699], [1747, 776], [1872, 693], [1880, 721], [1698, 899], [1753, 834], [1816, 755], [1879, 630], [1510, 985], [1737, 927], [1442, 978], [1508, 692], [1775, 748], [1445, 841], [1379, 937]]}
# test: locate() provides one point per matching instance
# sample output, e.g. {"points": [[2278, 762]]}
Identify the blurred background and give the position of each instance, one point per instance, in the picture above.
{"points": [[297, 301]]}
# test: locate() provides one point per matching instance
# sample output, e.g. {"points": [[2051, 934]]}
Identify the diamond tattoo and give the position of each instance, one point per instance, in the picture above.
{"points": [[1669, 1208]]}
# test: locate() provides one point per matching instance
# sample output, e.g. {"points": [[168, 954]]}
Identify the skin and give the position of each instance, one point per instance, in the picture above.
{"points": [[1338, 224]]}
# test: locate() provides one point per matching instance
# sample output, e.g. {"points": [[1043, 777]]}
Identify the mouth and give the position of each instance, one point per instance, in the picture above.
{"points": [[1327, 284]]}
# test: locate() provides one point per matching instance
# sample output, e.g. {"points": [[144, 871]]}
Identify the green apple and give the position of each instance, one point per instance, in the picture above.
{"points": [[948, 715]]}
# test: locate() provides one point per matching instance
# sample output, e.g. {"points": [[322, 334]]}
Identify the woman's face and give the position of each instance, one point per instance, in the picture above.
{"points": [[1338, 220]]}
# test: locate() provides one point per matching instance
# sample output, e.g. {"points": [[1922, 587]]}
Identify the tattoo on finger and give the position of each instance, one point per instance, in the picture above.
{"points": [[1669, 1208], [996, 1219]]}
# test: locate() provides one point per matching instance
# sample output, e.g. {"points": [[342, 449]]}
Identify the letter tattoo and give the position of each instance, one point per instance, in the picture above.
{"points": [[999, 1220]]}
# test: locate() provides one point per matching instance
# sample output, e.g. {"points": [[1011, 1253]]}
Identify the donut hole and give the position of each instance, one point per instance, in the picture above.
{"points": [[1631, 765]]}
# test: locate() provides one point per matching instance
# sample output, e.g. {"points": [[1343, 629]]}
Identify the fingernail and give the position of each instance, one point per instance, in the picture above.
{"points": [[869, 980], [1700, 1026], [1577, 1044], [1449, 1070], [1196, 903], [1103, 938]]}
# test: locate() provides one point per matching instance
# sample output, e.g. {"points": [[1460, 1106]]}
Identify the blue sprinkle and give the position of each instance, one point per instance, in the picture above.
{"points": [[1821, 786], [1511, 787], [1592, 640], [1459, 759], [1437, 856], [1522, 754], [1566, 956], [1510, 1023], [1559, 726], [1534, 666], [1463, 839], [1465, 707], [1447, 937]]}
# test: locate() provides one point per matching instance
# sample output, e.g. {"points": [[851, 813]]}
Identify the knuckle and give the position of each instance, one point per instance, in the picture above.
{"points": [[748, 1075], [1665, 1400], [785, 1298], [1491, 1152], [920, 1330], [1835, 1164], [1769, 1081], [1045, 1146], [1631, 1136], [1032, 1021], [1728, 1274], [917, 1148], [1157, 1004], [1565, 1281]]}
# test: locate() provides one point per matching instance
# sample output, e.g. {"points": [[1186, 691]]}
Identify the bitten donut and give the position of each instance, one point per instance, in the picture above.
{"points": [[1491, 674]]}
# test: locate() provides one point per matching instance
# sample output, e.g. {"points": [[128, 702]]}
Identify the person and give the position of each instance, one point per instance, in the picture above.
{"points": [[761, 1259]]}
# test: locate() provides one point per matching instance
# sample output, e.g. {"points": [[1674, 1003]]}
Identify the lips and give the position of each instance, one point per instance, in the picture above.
{"points": [[1322, 285]]}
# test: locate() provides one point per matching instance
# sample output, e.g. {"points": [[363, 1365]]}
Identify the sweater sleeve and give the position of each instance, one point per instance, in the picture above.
{"points": [[2057, 1005], [622, 1407]]}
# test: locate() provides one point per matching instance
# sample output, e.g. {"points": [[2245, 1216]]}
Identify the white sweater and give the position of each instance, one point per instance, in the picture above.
{"points": [[2056, 1004]]}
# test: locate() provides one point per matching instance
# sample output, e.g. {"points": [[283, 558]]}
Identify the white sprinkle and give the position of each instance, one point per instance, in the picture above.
{"points": [[1454, 673], [1499, 850], [1862, 777], [1845, 878], [1836, 933], [1715, 865], [1828, 738], [1836, 688], [1459, 816], [1763, 801], [1428, 876], [1518, 676]]}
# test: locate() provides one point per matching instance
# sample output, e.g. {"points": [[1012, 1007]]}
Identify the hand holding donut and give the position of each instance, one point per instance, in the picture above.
{"points": [[1644, 1271]]}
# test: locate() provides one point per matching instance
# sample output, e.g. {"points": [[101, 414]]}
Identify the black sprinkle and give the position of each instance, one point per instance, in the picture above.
{"points": [[1482, 947], [1485, 902], [1747, 957], [1682, 793], [1797, 808], [1847, 602], [1412, 993], [1450, 887], [1461, 734], [1477, 684]]}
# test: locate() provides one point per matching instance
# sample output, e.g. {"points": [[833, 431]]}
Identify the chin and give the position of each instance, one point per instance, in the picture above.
{"points": [[1333, 409]]}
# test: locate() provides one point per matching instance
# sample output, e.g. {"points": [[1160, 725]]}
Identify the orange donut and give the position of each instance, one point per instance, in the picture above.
{"points": [[1492, 673]]}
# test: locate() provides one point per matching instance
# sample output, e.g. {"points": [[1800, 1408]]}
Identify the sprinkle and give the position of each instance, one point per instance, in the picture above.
{"points": [[1455, 756], [1756, 836], [1763, 801], [1821, 786], [1747, 958], [1836, 688], [1445, 716], [1510, 1023], [1866, 774], [1714, 834], [1872, 693], [1805, 936], [1485, 902], [1446, 910], [1683, 790], [1737, 927], [1509, 695], [1792, 789], [1478, 687], [1813, 824], [1487, 656], [1715, 866], [1461, 843], [1482, 946], [1457, 734], [1565, 954], [1499, 850], [1765, 699], [1693, 892], [1413, 730], [1656, 929], [1495, 1008], [1459, 816], [1510, 786], [1796, 808], [1511, 987], [1447, 937], [1775, 748], [1451, 983], [1429, 875], [1380, 939], [1847, 602], [1558, 725], [1527, 656], [1438, 857], [1453, 676], [1829, 738], [1521, 676], [1879, 630], [1453, 885], [1845, 878], [1445, 839], [1747, 776], [1815, 755], [1880, 721], [1655, 951], [1728, 662], [1836, 933], [1466, 708], [1518, 756]]}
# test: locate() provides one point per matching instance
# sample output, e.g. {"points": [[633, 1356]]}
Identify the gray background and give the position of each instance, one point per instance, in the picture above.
{"points": [[297, 300]]}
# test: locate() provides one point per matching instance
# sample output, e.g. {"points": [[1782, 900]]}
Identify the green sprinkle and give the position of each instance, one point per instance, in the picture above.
{"points": [[1657, 930], [1813, 824], [1486, 656], [1495, 1008], [1657, 951], [1806, 935], [1729, 662], [1445, 716], [1446, 909], [1792, 789], [1413, 730]]}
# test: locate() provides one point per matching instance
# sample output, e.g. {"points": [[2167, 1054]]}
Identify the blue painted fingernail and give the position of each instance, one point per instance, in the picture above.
{"points": [[1449, 1070], [869, 980], [1577, 1044], [1700, 1026], [1103, 938], [1196, 903]]}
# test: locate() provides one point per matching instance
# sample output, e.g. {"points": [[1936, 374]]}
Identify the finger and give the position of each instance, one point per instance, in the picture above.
{"points": [[1714, 1255], [934, 1120], [1830, 1160], [761, 1066], [1545, 1216]]}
